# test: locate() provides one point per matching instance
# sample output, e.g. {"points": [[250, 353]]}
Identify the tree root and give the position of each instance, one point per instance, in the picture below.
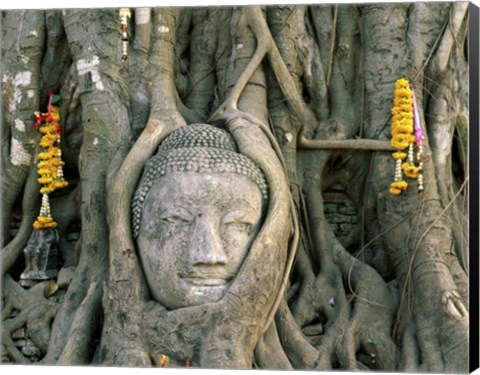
{"points": [[373, 311], [299, 351], [36, 313], [269, 353], [349, 144], [13, 250], [77, 349]]}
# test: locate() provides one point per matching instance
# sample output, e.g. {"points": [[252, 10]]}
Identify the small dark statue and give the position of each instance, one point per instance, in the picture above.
{"points": [[40, 257]]}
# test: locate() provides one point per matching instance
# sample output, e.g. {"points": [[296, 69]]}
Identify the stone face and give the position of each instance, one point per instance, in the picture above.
{"points": [[194, 234], [196, 212]]}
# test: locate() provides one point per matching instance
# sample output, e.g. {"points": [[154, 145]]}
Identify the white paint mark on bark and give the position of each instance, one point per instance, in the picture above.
{"points": [[25, 59], [95, 76], [21, 79], [95, 141], [142, 16], [34, 33], [288, 136], [30, 93], [19, 125], [239, 46], [18, 154], [87, 65], [163, 29]]}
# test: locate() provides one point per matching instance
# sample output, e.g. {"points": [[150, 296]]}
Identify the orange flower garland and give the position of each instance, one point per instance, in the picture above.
{"points": [[402, 129], [406, 132], [50, 162]]}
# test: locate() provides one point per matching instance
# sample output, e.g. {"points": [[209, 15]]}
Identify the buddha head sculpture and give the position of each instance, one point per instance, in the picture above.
{"points": [[196, 211]]}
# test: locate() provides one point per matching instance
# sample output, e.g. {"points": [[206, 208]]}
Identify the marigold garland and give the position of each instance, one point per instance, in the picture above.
{"points": [[50, 165], [406, 133]]}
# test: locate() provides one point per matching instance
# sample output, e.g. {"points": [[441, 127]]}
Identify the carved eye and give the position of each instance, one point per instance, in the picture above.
{"points": [[177, 215], [239, 226], [238, 221]]}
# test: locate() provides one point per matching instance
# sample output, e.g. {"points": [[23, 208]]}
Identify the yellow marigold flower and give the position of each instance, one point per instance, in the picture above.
{"points": [[48, 129], [395, 191], [401, 82], [402, 129], [46, 190], [44, 171], [405, 107], [399, 145], [43, 222], [44, 219], [401, 141], [50, 225], [402, 185], [403, 92], [400, 101], [400, 116], [61, 184], [403, 138], [399, 155], [50, 137], [45, 143], [45, 180], [410, 170], [47, 155], [406, 121]]}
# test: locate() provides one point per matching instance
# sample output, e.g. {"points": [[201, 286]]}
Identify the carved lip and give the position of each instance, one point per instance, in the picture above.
{"points": [[206, 278], [199, 281]]}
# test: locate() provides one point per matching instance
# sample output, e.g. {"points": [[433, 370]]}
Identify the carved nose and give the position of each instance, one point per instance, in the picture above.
{"points": [[207, 246]]}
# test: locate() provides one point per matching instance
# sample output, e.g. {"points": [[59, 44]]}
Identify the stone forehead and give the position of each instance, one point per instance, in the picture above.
{"points": [[199, 149]]}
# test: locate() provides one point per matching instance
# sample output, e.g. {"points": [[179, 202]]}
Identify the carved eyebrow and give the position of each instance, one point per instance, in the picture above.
{"points": [[245, 214]]}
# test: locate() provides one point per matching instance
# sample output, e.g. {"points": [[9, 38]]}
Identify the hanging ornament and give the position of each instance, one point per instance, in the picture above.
{"points": [[407, 138], [402, 129], [41, 250], [50, 164], [124, 15], [419, 137]]}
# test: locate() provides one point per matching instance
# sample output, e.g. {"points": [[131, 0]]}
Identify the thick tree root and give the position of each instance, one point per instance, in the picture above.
{"points": [[83, 329], [269, 352], [36, 314], [299, 351]]}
